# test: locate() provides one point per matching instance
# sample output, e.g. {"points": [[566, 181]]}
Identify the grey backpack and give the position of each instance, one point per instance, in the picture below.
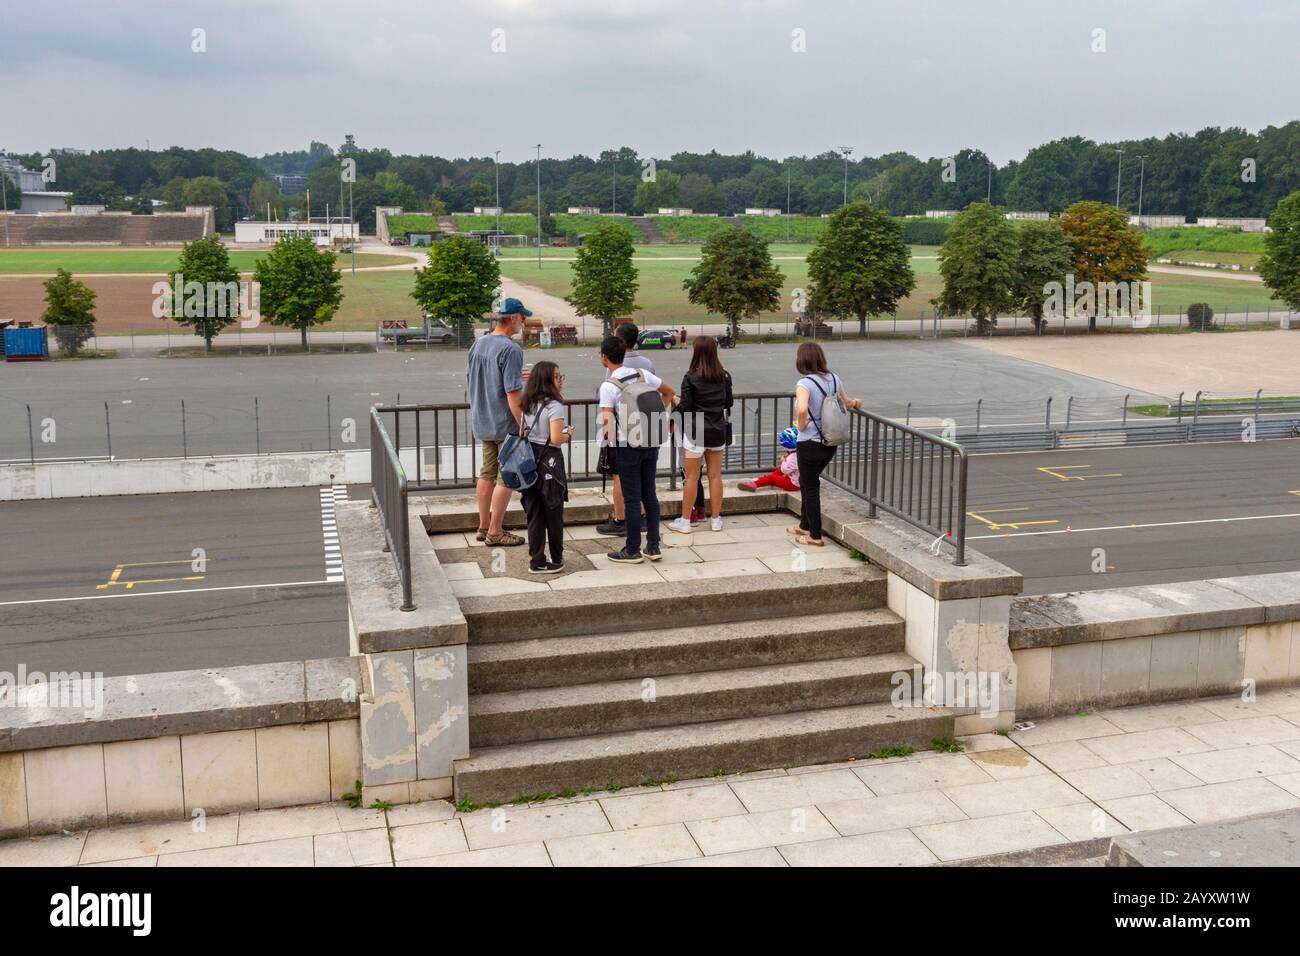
{"points": [[640, 409], [833, 423]]}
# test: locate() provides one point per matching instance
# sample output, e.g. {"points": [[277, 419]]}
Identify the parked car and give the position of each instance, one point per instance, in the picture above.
{"points": [[433, 330], [656, 339]]}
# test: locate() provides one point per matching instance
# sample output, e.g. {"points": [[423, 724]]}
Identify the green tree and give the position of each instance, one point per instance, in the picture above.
{"points": [[299, 286], [1044, 256], [13, 195], [658, 193], [70, 308], [604, 278], [458, 284], [208, 191], [204, 289], [1280, 265], [978, 263], [1106, 249], [861, 265], [735, 278], [266, 192]]}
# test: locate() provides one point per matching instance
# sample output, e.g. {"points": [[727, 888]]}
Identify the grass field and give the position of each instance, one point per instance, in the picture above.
{"points": [[91, 261]]}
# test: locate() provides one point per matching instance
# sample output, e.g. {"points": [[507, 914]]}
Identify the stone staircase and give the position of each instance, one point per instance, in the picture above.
{"points": [[587, 689], [652, 234]]}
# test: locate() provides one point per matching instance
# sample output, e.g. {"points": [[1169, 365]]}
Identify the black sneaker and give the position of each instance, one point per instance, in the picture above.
{"points": [[652, 552], [612, 528], [550, 567], [623, 556]]}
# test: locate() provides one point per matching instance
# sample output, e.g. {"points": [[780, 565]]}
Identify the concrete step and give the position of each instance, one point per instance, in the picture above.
{"points": [[518, 617], [499, 774], [627, 655], [669, 700]]}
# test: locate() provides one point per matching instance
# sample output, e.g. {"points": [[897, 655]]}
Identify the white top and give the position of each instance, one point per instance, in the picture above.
{"points": [[537, 423], [609, 392], [830, 383]]}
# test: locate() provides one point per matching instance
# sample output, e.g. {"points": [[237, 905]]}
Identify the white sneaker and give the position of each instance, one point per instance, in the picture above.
{"points": [[680, 525], [716, 523]]}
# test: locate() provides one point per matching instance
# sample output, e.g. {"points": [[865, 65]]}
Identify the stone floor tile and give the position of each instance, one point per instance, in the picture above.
{"points": [[1054, 730], [754, 532], [1008, 833], [812, 559], [743, 549], [637, 847], [627, 574], [1065, 756], [888, 848], [53, 850], [259, 826], [144, 861], [728, 778], [1227, 801], [1232, 707], [1290, 782], [1179, 713], [937, 773], [978, 743], [448, 541], [360, 818], [1246, 732], [427, 811], [1109, 782], [504, 825], [874, 814], [1144, 812], [1082, 821], [494, 587], [800, 790], [1146, 745], [671, 806], [1163, 774], [515, 855], [1007, 763], [295, 851], [354, 848], [764, 856], [1242, 763], [463, 571], [754, 830], [714, 569], [1009, 796], [152, 839], [427, 839]]}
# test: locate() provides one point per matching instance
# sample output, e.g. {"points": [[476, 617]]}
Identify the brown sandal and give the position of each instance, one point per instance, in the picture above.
{"points": [[503, 540], [818, 543], [480, 534], [795, 531]]}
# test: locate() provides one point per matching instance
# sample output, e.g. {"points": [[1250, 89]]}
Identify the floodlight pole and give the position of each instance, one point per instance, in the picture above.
{"points": [[1119, 176], [989, 198], [613, 178], [496, 166], [847, 151], [352, 229], [787, 203], [4, 196], [539, 205], [1142, 175]]}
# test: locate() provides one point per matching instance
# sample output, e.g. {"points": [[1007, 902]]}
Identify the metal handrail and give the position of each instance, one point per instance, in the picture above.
{"points": [[389, 490]]}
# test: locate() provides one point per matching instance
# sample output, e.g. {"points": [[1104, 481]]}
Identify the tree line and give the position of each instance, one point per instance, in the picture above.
{"points": [[1216, 171]]}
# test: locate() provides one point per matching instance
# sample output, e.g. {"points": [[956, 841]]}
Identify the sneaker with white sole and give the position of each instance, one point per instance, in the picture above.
{"points": [[680, 525], [715, 524]]}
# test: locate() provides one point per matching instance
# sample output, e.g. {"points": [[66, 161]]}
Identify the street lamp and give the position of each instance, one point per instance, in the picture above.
{"points": [[613, 178], [1142, 171], [1119, 177], [496, 167], [989, 198], [787, 202], [847, 151], [539, 205]]}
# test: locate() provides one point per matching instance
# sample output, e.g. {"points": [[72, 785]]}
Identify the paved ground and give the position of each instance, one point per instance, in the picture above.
{"points": [[1069, 780], [144, 395], [111, 584], [1226, 365], [1165, 513]]}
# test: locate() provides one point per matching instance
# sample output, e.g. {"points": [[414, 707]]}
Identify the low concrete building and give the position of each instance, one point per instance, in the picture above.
{"points": [[489, 211], [1156, 222], [324, 232], [585, 210], [1035, 215], [675, 211], [762, 212], [940, 213], [1245, 225]]}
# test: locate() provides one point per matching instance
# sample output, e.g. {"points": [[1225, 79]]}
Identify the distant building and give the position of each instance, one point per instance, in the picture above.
{"points": [[940, 213], [675, 211], [762, 212], [324, 232], [1156, 222], [585, 210], [491, 210], [36, 198], [1245, 225], [1035, 215], [291, 185]]}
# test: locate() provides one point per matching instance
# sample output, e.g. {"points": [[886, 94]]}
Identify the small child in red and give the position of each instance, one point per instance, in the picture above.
{"points": [[784, 476]]}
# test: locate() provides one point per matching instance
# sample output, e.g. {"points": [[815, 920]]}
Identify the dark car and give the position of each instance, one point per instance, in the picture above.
{"points": [[656, 339]]}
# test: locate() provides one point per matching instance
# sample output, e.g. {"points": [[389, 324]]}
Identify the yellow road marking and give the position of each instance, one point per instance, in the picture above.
{"points": [[1055, 472], [115, 578], [996, 525]]}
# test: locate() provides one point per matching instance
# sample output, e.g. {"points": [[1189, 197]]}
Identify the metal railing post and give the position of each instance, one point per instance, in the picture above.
{"points": [[1124, 420], [257, 424], [873, 466], [959, 532], [185, 438], [31, 437], [1180, 407], [1069, 411], [1048, 423], [979, 403], [1258, 392], [329, 425], [108, 432]]}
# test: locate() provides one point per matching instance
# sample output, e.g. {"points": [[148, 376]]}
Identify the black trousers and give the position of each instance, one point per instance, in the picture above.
{"points": [[545, 526], [813, 458]]}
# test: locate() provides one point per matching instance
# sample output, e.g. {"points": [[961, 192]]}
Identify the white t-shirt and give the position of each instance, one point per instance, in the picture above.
{"points": [[538, 421], [609, 392]]}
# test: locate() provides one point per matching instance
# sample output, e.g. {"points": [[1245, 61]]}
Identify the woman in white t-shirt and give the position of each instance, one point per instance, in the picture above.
{"points": [[816, 384], [542, 423]]}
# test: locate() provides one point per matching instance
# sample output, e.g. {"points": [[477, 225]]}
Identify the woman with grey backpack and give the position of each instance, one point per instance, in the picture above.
{"points": [[821, 416]]}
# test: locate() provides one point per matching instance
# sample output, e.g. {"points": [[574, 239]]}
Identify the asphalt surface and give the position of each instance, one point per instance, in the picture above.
{"points": [[1158, 514], [111, 584], [302, 400]]}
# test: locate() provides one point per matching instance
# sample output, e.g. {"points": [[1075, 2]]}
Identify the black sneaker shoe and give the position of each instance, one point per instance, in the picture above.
{"points": [[549, 568], [623, 556], [652, 552], [612, 528]]}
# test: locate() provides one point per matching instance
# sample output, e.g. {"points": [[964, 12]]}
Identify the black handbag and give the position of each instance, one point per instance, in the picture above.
{"points": [[605, 465]]}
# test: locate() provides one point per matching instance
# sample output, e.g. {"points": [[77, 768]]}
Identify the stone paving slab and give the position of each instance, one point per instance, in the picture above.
{"points": [[1073, 780]]}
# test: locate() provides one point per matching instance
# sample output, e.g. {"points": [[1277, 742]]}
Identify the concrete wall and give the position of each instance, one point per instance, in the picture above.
{"points": [[1086, 650]]}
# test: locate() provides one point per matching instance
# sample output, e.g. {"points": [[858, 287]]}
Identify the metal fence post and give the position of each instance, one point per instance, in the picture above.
{"points": [[185, 438], [978, 410], [31, 437], [873, 461], [257, 424], [1069, 411], [1180, 408], [1258, 392], [1048, 424], [329, 424], [1124, 420], [108, 432]]}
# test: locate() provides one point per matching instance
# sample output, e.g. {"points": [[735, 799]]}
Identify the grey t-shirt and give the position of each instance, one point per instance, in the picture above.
{"points": [[496, 366], [633, 359], [538, 421], [830, 382]]}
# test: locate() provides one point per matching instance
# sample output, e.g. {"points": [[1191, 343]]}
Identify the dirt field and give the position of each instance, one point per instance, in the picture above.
{"points": [[1223, 364], [123, 303]]}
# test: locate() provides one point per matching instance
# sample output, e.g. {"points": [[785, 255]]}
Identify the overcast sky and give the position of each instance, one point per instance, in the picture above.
{"points": [[422, 76]]}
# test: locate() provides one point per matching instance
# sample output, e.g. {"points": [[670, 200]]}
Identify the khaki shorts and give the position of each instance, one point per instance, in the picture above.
{"points": [[490, 470]]}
